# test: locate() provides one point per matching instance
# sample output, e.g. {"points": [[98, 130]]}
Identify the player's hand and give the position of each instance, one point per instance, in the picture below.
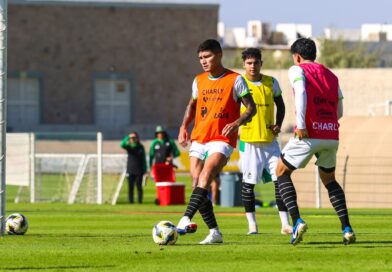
{"points": [[229, 129], [302, 133], [169, 160], [183, 137], [275, 129]]}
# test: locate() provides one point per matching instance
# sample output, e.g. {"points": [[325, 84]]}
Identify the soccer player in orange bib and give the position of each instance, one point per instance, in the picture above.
{"points": [[318, 106], [215, 107]]}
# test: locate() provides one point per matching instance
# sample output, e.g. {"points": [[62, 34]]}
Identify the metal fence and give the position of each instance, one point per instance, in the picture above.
{"points": [[366, 181]]}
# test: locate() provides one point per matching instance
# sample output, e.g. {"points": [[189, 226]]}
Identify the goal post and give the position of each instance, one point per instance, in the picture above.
{"points": [[99, 167], [3, 108]]}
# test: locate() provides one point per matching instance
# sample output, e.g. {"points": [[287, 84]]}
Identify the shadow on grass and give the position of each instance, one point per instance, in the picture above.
{"points": [[57, 267], [88, 235], [364, 244], [197, 244]]}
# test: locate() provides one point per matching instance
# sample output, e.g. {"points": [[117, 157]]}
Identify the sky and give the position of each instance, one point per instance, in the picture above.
{"points": [[321, 14]]}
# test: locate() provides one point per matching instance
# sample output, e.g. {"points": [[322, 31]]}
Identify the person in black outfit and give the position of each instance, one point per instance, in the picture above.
{"points": [[162, 149], [136, 165]]}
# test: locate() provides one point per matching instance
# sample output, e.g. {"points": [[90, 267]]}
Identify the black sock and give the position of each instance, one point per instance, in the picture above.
{"points": [[289, 196], [197, 198], [338, 201], [248, 197], [207, 213], [278, 198]]}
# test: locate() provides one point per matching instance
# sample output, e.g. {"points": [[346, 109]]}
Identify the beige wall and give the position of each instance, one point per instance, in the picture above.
{"points": [[364, 165], [361, 87]]}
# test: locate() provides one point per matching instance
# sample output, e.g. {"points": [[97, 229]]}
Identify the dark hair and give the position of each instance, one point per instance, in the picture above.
{"points": [[134, 132], [251, 53], [210, 45], [305, 47]]}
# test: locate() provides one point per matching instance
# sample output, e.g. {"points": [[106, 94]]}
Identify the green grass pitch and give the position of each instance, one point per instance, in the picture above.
{"points": [[79, 237]]}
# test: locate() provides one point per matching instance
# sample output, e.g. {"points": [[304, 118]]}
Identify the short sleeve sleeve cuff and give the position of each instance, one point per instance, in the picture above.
{"points": [[276, 88], [240, 87], [194, 89], [295, 74], [340, 93]]}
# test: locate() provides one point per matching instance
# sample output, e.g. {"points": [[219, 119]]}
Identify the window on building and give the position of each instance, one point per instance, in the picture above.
{"points": [[23, 111], [112, 102]]}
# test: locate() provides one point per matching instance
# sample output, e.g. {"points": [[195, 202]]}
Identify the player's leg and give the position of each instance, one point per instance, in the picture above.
{"points": [[296, 154], [213, 165], [218, 155], [215, 189], [185, 225], [272, 153], [139, 186], [131, 185], [326, 160], [251, 168], [286, 228]]}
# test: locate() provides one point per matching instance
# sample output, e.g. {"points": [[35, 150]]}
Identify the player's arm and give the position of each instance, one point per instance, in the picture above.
{"points": [[340, 104], [190, 112], [125, 142], [242, 94], [280, 113], [297, 80], [176, 151], [280, 108], [152, 153], [144, 161], [183, 136], [245, 117]]}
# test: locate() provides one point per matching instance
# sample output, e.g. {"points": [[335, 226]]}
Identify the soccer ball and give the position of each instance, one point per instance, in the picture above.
{"points": [[165, 233], [16, 224]]}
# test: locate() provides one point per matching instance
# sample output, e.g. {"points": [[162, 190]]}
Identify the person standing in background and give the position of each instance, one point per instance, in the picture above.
{"points": [[162, 149], [136, 165]]}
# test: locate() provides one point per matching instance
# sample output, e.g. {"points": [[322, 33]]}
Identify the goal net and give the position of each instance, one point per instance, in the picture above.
{"points": [[72, 178], [91, 177]]}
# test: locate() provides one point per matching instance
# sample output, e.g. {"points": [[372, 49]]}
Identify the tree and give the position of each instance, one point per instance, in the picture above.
{"points": [[340, 54]]}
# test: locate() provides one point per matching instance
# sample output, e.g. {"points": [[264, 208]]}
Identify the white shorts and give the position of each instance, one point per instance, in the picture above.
{"points": [[258, 161], [299, 152], [202, 151]]}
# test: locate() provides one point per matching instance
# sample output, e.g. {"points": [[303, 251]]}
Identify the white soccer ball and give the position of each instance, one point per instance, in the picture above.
{"points": [[165, 233], [16, 224]]}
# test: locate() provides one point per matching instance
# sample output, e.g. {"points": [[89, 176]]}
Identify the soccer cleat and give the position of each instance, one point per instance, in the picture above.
{"points": [[186, 226], [348, 236], [214, 237], [299, 229], [253, 229], [287, 229]]}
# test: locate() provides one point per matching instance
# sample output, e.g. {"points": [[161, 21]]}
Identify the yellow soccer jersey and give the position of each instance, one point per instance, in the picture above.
{"points": [[263, 93]]}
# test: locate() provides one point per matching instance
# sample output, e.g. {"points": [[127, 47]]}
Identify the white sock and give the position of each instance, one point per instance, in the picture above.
{"points": [[184, 219], [284, 218], [251, 216], [214, 230]]}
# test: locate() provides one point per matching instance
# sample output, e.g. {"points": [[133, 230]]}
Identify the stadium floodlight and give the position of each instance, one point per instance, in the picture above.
{"points": [[3, 117]]}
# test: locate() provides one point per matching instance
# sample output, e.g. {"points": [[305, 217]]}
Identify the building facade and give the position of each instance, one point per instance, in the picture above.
{"points": [[106, 66]]}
